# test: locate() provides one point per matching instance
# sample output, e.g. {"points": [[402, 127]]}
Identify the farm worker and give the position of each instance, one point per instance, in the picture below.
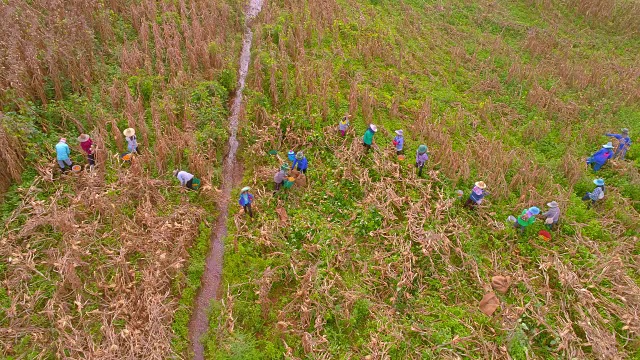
{"points": [[186, 179], [596, 194], [624, 143], [552, 215], [301, 162], [398, 142], [600, 158], [344, 124], [132, 141], [527, 218], [367, 139], [291, 155], [477, 194], [245, 200], [421, 158], [62, 154], [86, 144], [279, 177]]}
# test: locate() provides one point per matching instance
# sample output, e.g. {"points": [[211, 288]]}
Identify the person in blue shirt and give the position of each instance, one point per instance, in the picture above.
{"points": [[301, 162], [245, 200], [601, 157], [62, 155], [398, 142], [624, 143], [596, 194], [477, 194]]}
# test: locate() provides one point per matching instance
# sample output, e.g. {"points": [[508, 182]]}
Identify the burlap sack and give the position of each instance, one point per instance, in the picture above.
{"points": [[282, 213], [301, 180], [501, 283], [489, 304]]}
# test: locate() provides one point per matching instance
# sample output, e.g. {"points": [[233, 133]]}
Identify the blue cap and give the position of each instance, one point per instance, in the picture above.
{"points": [[598, 182], [534, 210]]}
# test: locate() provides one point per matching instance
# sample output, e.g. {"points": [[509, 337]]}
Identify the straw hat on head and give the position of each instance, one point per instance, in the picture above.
{"points": [[608, 145], [246, 188], [552, 204], [64, 140], [373, 128], [399, 132], [481, 184], [598, 182], [128, 132], [83, 137]]}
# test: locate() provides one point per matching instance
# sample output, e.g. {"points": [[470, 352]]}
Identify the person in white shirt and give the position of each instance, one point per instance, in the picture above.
{"points": [[185, 178]]}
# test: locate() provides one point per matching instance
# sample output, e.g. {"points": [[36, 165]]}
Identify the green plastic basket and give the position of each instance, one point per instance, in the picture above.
{"points": [[195, 184], [288, 184]]}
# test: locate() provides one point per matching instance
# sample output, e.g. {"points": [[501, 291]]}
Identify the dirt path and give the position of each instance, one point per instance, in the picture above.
{"points": [[199, 323]]}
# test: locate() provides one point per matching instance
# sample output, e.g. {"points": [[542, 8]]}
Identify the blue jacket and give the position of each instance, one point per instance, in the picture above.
{"points": [[62, 151], [302, 164], [601, 156], [245, 198], [399, 141], [624, 142]]}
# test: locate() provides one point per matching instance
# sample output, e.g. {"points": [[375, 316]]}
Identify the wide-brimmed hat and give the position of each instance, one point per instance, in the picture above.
{"points": [[299, 155], [625, 130], [552, 204], [128, 132], [534, 210], [608, 145], [598, 182], [64, 140], [373, 128], [422, 149], [399, 132], [175, 172], [246, 188], [83, 137], [284, 167], [480, 184]]}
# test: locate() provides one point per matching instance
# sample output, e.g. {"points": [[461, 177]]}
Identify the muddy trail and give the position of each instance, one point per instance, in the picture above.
{"points": [[231, 174]]}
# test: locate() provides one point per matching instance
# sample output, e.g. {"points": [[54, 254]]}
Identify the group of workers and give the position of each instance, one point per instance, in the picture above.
{"points": [[599, 158]]}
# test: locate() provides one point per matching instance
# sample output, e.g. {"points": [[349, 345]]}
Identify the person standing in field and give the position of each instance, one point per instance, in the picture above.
{"points": [[87, 146], [527, 218], [552, 215], [477, 195], [300, 163], [343, 125], [185, 178], [600, 158], [421, 158], [245, 200], [132, 140], [367, 139], [398, 142], [279, 177], [624, 143], [62, 155], [596, 194]]}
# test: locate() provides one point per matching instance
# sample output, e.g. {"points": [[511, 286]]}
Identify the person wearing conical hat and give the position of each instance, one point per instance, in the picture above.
{"points": [[477, 195], [343, 125], [600, 158], [552, 215], [398, 141], [63, 154], [279, 177], [185, 178], [86, 144], [367, 139], [300, 163], [422, 156], [624, 143], [596, 194], [245, 200], [527, 218], [132, 140]]}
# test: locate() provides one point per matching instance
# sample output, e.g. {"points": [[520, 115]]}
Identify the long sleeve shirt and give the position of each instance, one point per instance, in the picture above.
{"points": [[245, 199], [279, 176], [553, 213], [477, 195], [601, 156], [596, 193], [526, 221], [62, 151], [302, 164], [421, 158], [368, 137], [343, 125], [624, 142], [132, 142], [86, 146], [398, 141], [184, 177]]}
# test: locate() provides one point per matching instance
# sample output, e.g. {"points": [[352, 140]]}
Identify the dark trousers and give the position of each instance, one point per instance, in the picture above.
{"points": [[91, 159], [189, 184], [302, 171], [247, 209], [420, 167], [278, 186], [367, 146], [586, 197], [470, 204]]}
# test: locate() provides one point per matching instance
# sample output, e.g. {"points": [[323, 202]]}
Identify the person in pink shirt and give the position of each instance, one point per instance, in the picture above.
{"points": [[86, 144]]}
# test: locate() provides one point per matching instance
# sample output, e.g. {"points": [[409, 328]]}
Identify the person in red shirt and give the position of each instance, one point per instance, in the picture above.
{"points": [[86, 145]]}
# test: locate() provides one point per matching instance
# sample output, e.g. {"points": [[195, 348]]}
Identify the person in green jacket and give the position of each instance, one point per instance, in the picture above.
{"points": [[527, 218], [367, 139]]}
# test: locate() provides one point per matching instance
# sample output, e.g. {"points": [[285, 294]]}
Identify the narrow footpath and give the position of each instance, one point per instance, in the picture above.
{"points": [[199, 323]]}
